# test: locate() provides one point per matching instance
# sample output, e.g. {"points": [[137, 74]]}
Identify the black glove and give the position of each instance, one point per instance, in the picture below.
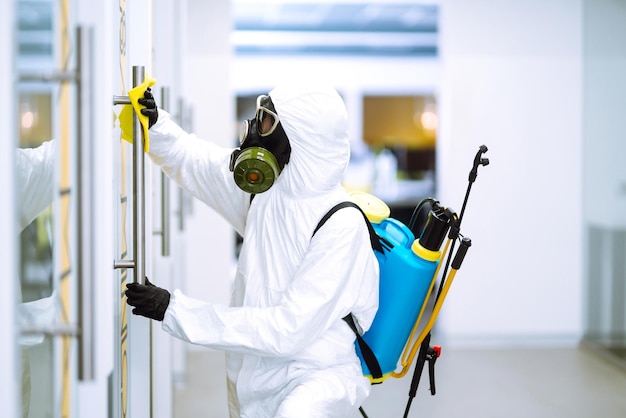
{"points": [[149, 300], [150, 109]]}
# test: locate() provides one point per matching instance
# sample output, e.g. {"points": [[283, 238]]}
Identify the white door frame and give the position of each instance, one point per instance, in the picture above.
{"points": [[9, 353]]}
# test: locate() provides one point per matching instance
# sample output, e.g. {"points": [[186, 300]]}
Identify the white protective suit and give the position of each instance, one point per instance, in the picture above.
{"points": [[290, 354], [35, 192], [35, 180], [34, 188]]}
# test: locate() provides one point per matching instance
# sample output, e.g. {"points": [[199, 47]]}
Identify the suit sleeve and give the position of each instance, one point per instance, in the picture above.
{"points": [[200, 167], [332, 281]]}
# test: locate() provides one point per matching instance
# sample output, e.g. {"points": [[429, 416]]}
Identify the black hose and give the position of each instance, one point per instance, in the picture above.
{"points": [[416, 212]]}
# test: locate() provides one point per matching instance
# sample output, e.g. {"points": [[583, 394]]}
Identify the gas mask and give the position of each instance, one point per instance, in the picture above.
{"points": [[263, 149]]}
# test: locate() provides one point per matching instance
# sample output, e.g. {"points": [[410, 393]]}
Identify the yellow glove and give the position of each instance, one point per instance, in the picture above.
{"points": [[136, 95]]}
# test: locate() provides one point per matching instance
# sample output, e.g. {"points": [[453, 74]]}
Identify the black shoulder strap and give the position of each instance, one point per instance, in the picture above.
{"points": [[368, 355], [374, 238]]}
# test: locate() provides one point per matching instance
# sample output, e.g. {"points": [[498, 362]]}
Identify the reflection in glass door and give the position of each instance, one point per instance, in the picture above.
{"points": [[45, 199], [39, 302]]}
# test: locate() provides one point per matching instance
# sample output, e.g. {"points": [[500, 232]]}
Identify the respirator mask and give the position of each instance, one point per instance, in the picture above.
{"points": [[263, 149]]}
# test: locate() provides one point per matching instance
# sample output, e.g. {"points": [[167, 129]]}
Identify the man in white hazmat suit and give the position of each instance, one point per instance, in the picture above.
{"points": [[289, 353]]}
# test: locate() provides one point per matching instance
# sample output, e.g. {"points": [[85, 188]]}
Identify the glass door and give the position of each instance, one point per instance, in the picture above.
{"points": [[132, 376], [46, 204], [58, 230], [604, 185]]}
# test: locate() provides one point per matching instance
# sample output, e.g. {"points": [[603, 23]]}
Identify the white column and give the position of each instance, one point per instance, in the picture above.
{"points": [[512, 80]]}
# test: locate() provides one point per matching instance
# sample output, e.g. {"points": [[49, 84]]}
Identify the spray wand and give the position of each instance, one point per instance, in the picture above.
{"points": [[427, 353]]}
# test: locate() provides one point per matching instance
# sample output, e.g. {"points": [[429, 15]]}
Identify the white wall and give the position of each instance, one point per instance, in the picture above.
{"points": [[210, 240], [513, 80], [168, 354]]}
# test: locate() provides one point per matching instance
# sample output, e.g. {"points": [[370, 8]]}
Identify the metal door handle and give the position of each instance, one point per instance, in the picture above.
{"points": [[138, 263], [165, 192], [184, 119], [122, 100], [85, 211], [53, 330]]}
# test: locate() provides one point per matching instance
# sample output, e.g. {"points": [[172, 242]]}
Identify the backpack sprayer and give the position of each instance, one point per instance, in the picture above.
{"points": [[409, 269]]}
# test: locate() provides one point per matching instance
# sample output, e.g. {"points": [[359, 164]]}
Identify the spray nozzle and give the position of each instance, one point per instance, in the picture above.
{"points": [[478, 161]]}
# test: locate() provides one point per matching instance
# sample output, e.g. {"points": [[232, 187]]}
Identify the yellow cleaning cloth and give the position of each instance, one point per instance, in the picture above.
{"points": [[126, 115]]}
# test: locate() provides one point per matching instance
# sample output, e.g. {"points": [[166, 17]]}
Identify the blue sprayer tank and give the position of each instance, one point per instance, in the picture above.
{"points": [[406, 272]]}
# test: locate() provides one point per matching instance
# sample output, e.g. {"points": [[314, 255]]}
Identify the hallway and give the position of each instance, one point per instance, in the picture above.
{"points": [[496, 383]]}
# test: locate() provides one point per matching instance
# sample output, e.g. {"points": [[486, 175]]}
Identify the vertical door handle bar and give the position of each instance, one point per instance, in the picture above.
{"points": [[181, 209], [85, 197], [181, 192], [139, 205], [165, 190]]}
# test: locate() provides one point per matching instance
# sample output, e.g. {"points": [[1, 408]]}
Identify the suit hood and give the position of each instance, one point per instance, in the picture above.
{"points": [[314, 118]]}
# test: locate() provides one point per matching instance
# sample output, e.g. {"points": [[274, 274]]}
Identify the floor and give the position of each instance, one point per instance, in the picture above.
{"points": [[499, 383]]}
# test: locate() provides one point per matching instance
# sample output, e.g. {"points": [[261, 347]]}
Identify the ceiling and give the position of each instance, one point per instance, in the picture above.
{"points": [[295, 27], [349, 28]]}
